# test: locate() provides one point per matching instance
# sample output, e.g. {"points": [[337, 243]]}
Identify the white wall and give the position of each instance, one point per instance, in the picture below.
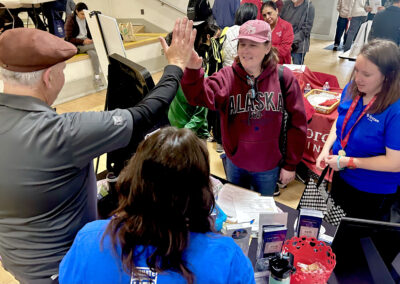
{"points": [[104, 6], [164, 16], [325, 19], [154, 11]]}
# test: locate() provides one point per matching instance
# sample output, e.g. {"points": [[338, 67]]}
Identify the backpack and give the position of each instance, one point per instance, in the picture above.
{"points": [[213, 57], [198, 10]]}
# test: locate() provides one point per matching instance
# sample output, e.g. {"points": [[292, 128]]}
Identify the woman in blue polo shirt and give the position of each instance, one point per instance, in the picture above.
{"points": [[162, 230], [365, 139]]}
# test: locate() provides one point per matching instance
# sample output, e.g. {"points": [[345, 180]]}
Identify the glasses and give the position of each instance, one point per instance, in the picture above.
{"points": [[253, 94], [251, 83]]}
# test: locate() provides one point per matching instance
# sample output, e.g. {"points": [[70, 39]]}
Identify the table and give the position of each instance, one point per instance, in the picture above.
{"points": [[292, 215], [12, 4], [319, 127]]}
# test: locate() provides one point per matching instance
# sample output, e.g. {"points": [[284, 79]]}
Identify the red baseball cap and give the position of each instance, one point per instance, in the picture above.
{"points": [[255, 30]]}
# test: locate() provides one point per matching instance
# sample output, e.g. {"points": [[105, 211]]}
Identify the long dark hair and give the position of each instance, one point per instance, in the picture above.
{"points": [[386, 56], [246, 12], [204, 30], [164, 193]]}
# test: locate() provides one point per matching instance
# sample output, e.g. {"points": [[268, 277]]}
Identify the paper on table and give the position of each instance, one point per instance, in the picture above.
{"points": [[226, 198], [244, 205], [295, 67], [249, 209]]}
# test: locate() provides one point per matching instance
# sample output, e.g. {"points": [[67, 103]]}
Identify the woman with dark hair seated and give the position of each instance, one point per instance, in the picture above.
{"points": [[162, 230]]}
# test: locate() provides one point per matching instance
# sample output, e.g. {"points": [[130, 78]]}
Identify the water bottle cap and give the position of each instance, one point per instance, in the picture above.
{"points": [[281, 267]]}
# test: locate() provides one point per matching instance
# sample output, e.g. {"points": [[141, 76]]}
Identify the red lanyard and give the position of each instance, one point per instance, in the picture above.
{"points": [[353, 105]]}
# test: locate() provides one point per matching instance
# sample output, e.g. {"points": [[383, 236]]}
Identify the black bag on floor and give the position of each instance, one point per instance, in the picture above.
{"points": [[316, 196]]}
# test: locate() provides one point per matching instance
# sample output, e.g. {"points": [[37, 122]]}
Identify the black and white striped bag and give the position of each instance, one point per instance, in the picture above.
{"points": [[316, 196]]}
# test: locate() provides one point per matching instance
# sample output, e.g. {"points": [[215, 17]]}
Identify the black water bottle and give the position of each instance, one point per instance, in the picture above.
{"points": [[281, 268]]}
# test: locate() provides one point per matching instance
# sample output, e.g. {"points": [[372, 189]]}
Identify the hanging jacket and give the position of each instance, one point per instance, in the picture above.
{"points": [[183, 115]]}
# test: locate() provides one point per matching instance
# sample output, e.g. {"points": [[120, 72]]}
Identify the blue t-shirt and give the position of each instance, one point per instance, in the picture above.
{"points": [[369, 138], [212, 258]]}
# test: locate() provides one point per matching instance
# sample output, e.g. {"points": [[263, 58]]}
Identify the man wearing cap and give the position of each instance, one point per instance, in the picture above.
{"points": [[47, 182]]}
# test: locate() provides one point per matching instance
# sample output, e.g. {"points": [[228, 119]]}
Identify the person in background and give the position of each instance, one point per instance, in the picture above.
{"points": [[47, 183], [70, 8], [358, 16], [249, 99], [53, 11], [364, 139], [343, 7], [371, 13], [200, 9], [224, 12], [282, 31], [258, 4], [77, 32], [246, 12], [300, 14], [162, 229], [386, 24]]}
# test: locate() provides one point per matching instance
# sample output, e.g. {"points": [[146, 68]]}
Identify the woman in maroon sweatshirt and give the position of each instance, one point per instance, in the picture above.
{"points": [[250, 101]]}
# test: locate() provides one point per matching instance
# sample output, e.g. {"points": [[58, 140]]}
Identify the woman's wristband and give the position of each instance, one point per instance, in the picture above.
{"points": [[338, 163]]}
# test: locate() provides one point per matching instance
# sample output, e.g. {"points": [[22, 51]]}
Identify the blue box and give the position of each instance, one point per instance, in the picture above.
{"points": [[309, 223], [273, 238]]}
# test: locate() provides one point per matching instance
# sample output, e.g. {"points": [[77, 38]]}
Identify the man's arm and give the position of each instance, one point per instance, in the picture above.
{"points": [[152, 107], [147, 112]]}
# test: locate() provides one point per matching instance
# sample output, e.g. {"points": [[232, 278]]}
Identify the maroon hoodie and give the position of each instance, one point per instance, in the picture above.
{"points": [[251, 128]]}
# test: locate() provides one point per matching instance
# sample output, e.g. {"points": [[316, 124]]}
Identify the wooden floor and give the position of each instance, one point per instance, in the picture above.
{"points": [[318, 59]]}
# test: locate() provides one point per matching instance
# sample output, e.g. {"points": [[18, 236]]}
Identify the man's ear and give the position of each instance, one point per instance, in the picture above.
{"points": [[46, 77]]}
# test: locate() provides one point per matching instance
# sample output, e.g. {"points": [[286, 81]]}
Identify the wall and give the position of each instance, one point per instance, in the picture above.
{"points": [[104, 6], [163, 16], [325, 19], [154, 11]]}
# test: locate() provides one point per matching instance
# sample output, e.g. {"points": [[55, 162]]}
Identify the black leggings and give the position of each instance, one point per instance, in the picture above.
{"points": [[361, 204]]}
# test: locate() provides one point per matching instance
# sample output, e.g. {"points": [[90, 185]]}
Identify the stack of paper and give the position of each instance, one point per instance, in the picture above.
{"points": [[244, 205]]}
